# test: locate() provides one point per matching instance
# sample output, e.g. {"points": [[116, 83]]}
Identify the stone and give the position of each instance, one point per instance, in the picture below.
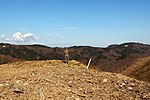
{"points": [[25, 84], [130, 88], [132, 84], [69, 90], [1, 85], [6, 84], [77, 98], [70, 81], [18, 81], [32, 74], [105, 80], [17, 90]]}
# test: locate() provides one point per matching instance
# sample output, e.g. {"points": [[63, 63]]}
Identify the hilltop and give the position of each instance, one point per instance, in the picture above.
{"points": [[53, 79], [114, 58]]}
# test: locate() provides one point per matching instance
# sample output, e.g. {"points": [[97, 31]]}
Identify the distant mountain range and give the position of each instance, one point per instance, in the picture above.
{"points": [[114, 58]]}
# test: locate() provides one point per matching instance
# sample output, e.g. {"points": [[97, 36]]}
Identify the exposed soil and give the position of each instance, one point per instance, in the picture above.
{"points": [[55, 80]]}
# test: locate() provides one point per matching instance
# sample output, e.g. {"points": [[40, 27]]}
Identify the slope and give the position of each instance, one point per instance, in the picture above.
{"points": [[114, 58], [140, 69], [52, 79]]}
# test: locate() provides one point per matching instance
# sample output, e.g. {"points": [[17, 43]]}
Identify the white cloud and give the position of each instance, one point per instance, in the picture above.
{"points": [[68, 28], [56, 36], [7, 39], [19, 37], [41, 43], [4, 37]]}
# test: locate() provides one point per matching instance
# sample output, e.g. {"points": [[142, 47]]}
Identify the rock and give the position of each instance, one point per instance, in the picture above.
{"points": [[123, 84], [130, 88], [32, 74], [69, 90], [17, 90], [105, 80], [6, 84], [125, 81], [25, 84], [132, 84], [1, 85], [144, 97], [77, 98], [70, 82], [18, 81]]}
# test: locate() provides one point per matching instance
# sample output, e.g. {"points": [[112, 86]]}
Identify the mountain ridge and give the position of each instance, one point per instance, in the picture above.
{"points": [[114, 58]]}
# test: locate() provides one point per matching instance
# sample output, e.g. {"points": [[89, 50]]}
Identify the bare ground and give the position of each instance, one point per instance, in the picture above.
{"points": [[55, 80]]}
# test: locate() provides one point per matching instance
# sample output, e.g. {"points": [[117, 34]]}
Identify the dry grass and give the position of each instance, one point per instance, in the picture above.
{"points": [[140, 69]]}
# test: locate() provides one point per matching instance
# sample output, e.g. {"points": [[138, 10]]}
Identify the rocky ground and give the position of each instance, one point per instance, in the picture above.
{"points": [[55, 80]]}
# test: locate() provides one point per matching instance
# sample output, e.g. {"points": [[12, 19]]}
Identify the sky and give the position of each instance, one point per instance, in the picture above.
{"points": [[63, 23]]}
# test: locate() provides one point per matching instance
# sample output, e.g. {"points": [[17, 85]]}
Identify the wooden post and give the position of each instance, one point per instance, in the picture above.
{"points": [[88, 64]]}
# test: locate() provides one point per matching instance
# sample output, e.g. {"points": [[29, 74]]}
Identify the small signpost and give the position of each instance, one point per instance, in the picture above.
{"points": [[88, 63]]}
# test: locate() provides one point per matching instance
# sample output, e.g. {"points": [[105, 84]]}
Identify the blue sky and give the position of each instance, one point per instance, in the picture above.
{"points": [[74, 22]]}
